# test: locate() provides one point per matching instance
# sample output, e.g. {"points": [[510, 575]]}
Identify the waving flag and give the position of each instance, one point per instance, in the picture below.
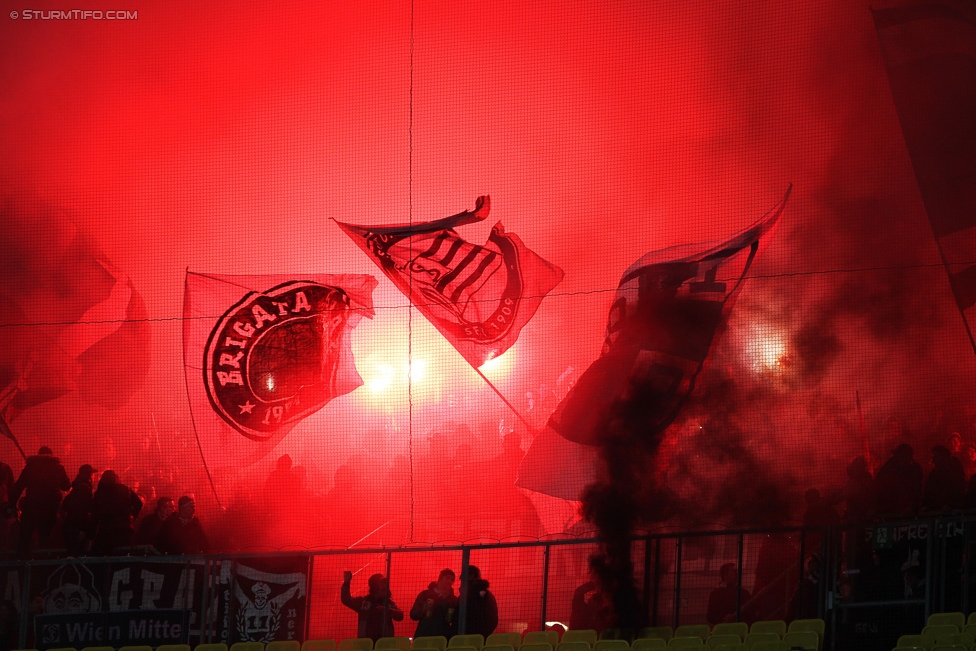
{"points": [[479, 297], [668, 306], [261, 353], [78, 324], [930, 54], [667, 309]]}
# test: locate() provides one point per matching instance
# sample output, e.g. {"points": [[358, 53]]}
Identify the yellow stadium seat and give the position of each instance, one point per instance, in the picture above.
{"points": [[514, 639], [686, 642], [649, 643], [910, 648], [137, 647], [399, 643], [98, 648], [177, 647], [732, 628], [915, 640], [316, 645], [806, 640], [700, 631], [935, 630], [766, 645], [587, 635], [960, 639], [438, 642], [498, 647], [64, 648], [949, 647], [356, 644], [611, 645], [610, 634], [956, 619], [759, 638], [663, 632], [211, 646], [477, 640], [818, 626], [777, 626], [722, 638], [462, 648], [574, 645], [283, 645], [247, 646], [550, 637], [741, 646], [535, 646]]}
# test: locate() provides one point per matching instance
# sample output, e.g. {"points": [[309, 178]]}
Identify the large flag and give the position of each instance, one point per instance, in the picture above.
{"points": [[88, 335], [930, 53], [263, 352], [479, 297], [665, 313]]}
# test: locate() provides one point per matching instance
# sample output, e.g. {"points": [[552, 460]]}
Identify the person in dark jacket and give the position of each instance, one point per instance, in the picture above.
{"points": [[114, 505], [42, 481], [945, 487], [376, 610], [481, 609], [435, 608], [182, 532], [898, 484], [152, 524], [728, 598], [591, 609], [78, 528]]}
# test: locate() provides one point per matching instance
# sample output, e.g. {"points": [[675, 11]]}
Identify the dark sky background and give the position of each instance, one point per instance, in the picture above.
{"points": [[224, 139]]}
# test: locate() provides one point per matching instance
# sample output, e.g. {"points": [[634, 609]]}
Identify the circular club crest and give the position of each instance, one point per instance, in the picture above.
{"points": [[272, 359]]}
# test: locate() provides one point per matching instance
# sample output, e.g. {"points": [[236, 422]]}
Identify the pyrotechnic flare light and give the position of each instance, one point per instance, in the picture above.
{"points": [[415, 370], [383, 378], [766, 350]]}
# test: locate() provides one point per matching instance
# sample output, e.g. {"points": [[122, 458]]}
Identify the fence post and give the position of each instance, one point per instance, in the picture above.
{"points": [[308, 593], [738, 592], [677, 583], [465, 586], [647, 574], [25, 607], [657, 580], [545, 582], [965, 564], [928, 569]]}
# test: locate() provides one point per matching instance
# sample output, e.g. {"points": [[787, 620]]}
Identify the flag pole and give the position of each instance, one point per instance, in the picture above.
{"points": [[862, 430], [186, 385], [5, 431], [504, 399]]}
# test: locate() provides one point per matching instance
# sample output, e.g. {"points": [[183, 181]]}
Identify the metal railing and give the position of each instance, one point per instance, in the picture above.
{"points": [[875, 582]]}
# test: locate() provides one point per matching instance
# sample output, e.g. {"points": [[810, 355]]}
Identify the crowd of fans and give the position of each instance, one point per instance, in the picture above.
{"points": [[93, 520], [900, 488]]}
